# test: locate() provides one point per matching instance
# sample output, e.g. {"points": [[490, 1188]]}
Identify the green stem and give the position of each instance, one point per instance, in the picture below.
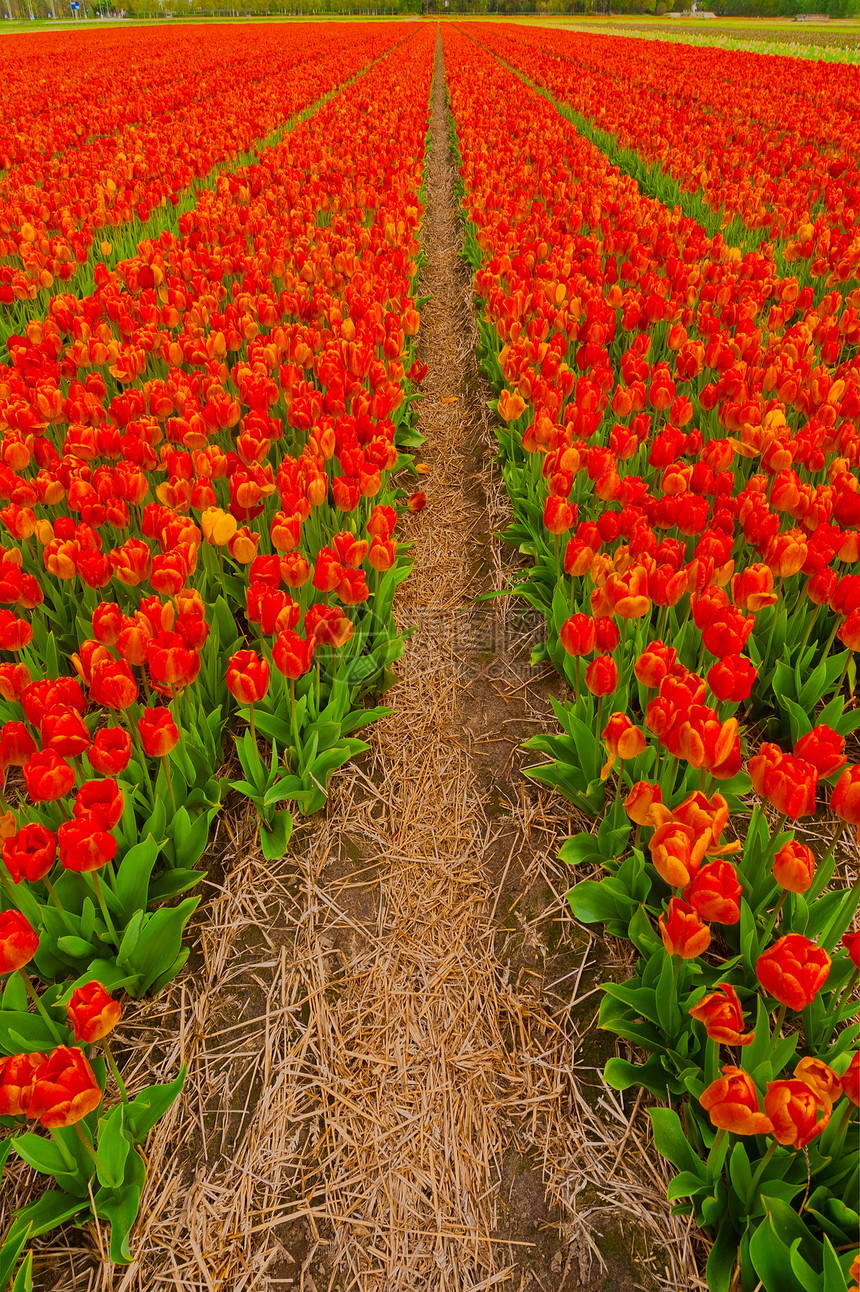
{"points": [[70, 1162], [100, 897], [760, 1169], [105, 1044], [715, 1147], [773, 917], [88, 1146], [166, 765], [809, 627], [776, 1034], [64, 915], [40, 1008]]}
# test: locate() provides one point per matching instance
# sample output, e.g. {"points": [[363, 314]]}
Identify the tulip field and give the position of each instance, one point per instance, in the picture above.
{"points": [[210, 249]]}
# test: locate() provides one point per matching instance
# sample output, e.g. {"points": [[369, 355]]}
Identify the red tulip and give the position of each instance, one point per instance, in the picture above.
{"points": [[93, 1013], [19, 941], [682, 931], [158, 732], [793, 970], [64, 1089]]}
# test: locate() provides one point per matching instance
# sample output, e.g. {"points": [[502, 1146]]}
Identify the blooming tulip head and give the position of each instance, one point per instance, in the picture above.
{"points": [[793, 970], [715, 893], [601, 676], [797, 1110], [819, 1075], [794, 867], [682, 930], [65, 1089], [158, 732], [247, 677], [17, 1073], [721, 1014], [30, 853], [19, 941], [732, 1104], [92, 1012], [677, 852]]}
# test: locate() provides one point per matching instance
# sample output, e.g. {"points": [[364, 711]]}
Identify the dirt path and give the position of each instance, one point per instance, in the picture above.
{"points": [[390, 1033]]}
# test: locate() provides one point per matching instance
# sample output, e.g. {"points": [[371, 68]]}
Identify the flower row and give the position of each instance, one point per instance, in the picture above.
{"points": [[768, 142], [87, 193], [219, 422], [681, 594]]}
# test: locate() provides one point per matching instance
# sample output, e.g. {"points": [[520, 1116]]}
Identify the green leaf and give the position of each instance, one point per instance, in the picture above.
{"points": [[120, 1207], [722, 1259], [159, 942], [671, 1141], [11, 1250], [275, 837], [42, 1154], [686, 1185], [771, 1258], [740, 1172], [46, 1213], [132, 876], [113, 1146], [150, 1106], [621, 1075], [580, 849], [24, 1278], [593, 902]]}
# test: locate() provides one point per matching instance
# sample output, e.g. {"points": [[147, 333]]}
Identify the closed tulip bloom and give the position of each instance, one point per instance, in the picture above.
{"points": [[65, 1089], [578, 635], [17, 1073], [92, 1013], [247, 677], [641, 802], [295, 570], [107, 622], [677, 852], [103, 799], [715, 893], [172, 665], [159, 734], [721, 1014], [218, 526], [48, 777], [654, 664], [845, 799], [558, 514], [851, 943], [19, 941], [732, 1104], [292, 654], [601, 676], [797, 1111], [819, 1075], [382, 554], [682, 931], [17, 746], [851, 1080], [824, 748], [110, 752], [753, 589], [30, 853], [113, 684], [793, 970], [731, 679], [623, 740], [607, 634], [85, 845], [794, 867], [64, 730]]}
